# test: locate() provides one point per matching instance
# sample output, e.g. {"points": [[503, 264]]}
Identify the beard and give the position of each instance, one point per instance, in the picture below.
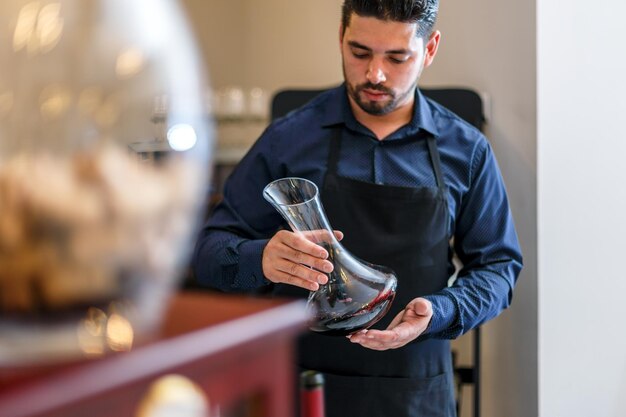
{"points": [[377, 108]]}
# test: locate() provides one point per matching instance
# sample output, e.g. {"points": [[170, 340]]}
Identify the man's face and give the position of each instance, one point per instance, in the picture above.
{"points": [[382, 61]]}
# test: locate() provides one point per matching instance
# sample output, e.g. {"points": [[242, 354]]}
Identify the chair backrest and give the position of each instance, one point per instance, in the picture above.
{"points": [[285, 101], [466, 103]]}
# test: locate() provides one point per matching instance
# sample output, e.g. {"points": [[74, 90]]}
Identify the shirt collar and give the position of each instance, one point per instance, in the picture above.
{"points": [[338, 111], [423, 115]]}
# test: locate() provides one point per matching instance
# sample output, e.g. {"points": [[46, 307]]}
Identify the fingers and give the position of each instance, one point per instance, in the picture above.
{"points": [[292, 259], [299, 275], [322, 235], [404, 328], [386, 339], [380, 339]]}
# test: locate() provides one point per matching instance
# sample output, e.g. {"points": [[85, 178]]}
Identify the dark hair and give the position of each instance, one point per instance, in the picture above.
{"points": [[422, 12]]}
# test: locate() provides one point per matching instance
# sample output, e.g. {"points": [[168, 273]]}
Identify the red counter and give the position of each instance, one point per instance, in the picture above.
{"points": [[237, 351]]}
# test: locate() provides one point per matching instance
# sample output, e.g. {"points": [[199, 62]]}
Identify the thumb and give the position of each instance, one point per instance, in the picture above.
{"points": [[421, 307]]}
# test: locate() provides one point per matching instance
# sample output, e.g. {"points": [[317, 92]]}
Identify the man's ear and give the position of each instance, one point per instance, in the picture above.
{"points": [[340, 34], [431, 48]]}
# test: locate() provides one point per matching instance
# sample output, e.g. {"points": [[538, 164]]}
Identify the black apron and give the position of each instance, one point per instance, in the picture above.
{"points": [[405, 229]]}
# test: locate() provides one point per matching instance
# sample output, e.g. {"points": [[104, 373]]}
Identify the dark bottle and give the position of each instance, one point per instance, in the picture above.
{"points": [[311, 394]]}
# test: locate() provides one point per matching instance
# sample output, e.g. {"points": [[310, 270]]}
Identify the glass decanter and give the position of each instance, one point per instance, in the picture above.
{"points": [[358, 293]]}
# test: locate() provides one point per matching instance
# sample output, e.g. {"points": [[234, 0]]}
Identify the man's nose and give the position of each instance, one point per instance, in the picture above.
{"points": [[375, 74]]}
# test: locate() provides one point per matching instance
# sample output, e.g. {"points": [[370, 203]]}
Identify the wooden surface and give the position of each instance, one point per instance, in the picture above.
{"points": [[238, 350]]}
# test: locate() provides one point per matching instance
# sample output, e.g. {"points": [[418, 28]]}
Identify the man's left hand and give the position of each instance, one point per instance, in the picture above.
{"points": [[405, 327]]}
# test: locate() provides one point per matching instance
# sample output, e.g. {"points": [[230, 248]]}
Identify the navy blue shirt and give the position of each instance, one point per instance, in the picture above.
{"points": [[229, 249]]}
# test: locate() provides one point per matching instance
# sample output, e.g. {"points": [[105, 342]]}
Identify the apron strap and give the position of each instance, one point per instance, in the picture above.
{"points": [[333, 153], [436, 161]]}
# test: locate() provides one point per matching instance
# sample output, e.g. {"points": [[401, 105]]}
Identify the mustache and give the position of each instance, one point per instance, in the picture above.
{"points": [[375, 87]]}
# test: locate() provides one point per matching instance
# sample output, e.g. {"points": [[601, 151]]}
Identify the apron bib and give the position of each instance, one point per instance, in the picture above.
{"points": [[405, 229]]}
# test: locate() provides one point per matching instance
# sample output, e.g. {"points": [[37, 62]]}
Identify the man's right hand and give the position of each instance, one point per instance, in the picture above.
{"points": [[291, 258]]}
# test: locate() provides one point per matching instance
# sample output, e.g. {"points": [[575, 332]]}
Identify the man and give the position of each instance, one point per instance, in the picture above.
{"points": [[408, 183]]}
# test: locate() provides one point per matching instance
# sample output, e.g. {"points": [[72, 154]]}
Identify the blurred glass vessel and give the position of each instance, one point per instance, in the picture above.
{"points": [[105, 151], [358, 293]]}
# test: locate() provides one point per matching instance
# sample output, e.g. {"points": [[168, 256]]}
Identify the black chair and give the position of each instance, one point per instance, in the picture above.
{"points": [[464, 102], [468, 105]]}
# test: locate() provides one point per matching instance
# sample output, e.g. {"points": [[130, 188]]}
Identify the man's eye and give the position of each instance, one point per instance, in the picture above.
{"points": [[358, 55], [397, 60]]}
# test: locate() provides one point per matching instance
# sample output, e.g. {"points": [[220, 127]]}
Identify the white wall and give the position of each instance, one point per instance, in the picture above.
{"points": [[582, 203], [490, 45]]}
